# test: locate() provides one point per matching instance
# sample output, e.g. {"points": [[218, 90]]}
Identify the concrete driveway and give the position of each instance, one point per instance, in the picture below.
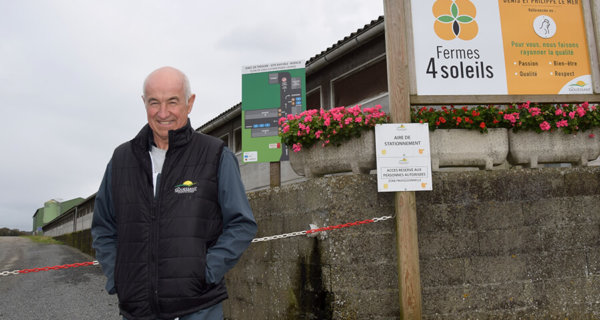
{"points": [[74, 293]]}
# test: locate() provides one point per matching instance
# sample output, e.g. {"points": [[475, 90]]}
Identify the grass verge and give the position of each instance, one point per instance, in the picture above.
{"points": [[43, 239]]}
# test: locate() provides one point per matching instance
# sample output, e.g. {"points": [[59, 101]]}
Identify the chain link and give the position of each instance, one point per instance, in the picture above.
{"points": [[269, 238], [8, 273], [382, 218], [64, 266], [280, 236], [307, 232]]}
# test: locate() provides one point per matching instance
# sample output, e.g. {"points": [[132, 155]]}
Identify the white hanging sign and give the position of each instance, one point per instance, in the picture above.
{"points": [[403, 157]]}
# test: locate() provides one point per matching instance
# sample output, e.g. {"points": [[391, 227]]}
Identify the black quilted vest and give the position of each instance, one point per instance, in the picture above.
{"points": [[162, 240]]}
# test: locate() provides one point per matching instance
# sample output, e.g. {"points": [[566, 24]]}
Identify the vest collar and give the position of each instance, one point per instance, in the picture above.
{"points": [[177, 138]]}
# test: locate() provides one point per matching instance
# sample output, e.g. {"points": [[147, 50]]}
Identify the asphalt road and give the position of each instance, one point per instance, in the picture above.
{"points": [[74, 293]]}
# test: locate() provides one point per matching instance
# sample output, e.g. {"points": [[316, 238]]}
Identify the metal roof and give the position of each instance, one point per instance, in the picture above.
{"points": [[346, 39], [223, 117]]}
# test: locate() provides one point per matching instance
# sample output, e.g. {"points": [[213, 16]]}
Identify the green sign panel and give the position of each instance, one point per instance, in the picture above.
{"points": [[269, 92]]}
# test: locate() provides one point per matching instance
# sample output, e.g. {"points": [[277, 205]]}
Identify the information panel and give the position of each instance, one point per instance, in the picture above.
{"points": [[403, 157], [269, 92], [500, 47]]}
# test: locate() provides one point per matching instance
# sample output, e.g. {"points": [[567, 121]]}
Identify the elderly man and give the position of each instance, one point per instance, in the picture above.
{"points": [[171, 216]]}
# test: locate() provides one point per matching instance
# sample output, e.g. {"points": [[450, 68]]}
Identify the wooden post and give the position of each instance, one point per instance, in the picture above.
{"points": [[275, 174], [409, 280]]}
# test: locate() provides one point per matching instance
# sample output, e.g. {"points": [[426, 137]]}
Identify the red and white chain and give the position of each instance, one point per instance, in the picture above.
{"points": [[64, 266], [280, 236], [311, 231]]}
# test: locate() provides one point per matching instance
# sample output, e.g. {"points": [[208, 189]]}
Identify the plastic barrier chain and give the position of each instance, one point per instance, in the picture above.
{"points": [[64, 266], [306, 232], [281, 236]]}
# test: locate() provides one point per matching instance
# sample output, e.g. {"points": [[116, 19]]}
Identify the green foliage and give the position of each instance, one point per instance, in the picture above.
{"points": [[43, 239], [6, 232]]}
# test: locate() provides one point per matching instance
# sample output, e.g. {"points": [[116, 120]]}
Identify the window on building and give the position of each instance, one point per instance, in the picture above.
{"points": [[363, 84], [237, 140], [313, 99], [383, 100], [225, 139]]}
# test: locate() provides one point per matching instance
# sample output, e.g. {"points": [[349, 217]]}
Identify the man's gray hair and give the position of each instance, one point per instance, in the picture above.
{"points": [[186, 87], [186, 83]]}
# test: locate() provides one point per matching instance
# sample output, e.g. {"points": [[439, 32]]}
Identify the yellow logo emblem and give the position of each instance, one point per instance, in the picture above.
{"points": [[186, 187], [187, 183], [579, 84]]}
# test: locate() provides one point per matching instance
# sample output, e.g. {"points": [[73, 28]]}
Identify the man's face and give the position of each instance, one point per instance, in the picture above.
{"points": [[166, 105]]}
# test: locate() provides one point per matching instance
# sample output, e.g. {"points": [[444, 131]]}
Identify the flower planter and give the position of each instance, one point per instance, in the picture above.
{"points": [[356, 155], [468, 148], [531, 148]]}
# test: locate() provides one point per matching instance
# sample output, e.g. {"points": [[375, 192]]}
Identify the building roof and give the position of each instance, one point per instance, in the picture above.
{"points": [[67, 205], [67, 208], [39, 210], [223, 117], [346, 39], [64, 205]]}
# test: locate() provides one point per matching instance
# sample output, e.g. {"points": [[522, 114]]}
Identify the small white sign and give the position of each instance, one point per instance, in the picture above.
{"points": [[403, 157], [250, 156]]}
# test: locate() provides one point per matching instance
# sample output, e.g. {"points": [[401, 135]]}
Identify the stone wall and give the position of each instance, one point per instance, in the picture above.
{"points": [[506, 244], [81, 240]]}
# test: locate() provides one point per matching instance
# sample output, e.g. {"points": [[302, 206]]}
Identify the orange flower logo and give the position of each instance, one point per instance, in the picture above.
{"points": [[455, 19]]}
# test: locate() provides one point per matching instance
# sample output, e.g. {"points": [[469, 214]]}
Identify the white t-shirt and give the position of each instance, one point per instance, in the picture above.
{"points": [[157, 156]]}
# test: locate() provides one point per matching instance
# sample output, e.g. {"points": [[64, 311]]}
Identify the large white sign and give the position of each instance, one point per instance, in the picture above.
{"points": [[466, 47], [403, 157], [472, 63]]}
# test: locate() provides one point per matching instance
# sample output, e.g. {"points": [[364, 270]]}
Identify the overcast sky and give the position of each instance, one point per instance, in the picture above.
{"points": [[71, 74]]}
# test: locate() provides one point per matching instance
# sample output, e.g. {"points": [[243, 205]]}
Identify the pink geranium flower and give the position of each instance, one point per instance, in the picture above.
{"points": [[535, 111], [545, 126], [562, 123], [510, 117], [327, 126]]}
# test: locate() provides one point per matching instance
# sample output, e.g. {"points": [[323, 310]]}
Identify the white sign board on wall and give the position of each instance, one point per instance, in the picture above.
{"points": [[403, 157]]}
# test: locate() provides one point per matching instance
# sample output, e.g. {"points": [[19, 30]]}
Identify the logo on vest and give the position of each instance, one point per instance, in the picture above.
{"points": [[186, 187]]}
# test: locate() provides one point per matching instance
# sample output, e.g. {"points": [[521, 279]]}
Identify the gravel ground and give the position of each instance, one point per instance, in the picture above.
{"points": [[74, 293]]}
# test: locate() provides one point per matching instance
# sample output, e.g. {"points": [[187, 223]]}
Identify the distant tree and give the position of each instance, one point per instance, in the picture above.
{"points": [[6, 232]]}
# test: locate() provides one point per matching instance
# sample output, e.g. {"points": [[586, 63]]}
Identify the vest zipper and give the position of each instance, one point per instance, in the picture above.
{"points": [[156, 206], [154, 256], [153, 241]]}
